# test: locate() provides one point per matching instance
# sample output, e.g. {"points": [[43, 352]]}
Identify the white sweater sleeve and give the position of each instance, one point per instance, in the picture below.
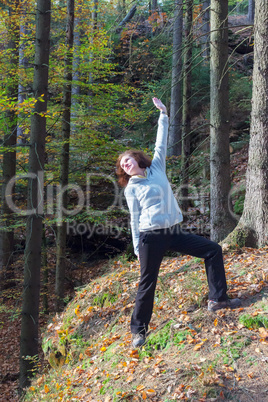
{"points": [[160, 151], [135, 211]]}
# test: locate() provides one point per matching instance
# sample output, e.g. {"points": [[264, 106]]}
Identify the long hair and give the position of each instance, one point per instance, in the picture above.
{"points": [[143, 160]]}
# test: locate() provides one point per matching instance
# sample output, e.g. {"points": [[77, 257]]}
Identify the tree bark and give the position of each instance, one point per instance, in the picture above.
{"points": [[94, 22], [221, 218], [24, 64], [64, 160], [154, 6], [186, 112], [174, 139], [9, 141], [252, 229], [128, 17], [205, 38], [31, 287], [251, 11], [76, 87]]}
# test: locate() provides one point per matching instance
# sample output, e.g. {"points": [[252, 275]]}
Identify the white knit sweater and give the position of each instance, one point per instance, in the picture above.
{"points": [[150, 199]]}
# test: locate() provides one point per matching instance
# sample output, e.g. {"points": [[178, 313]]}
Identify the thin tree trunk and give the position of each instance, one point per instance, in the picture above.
{"points": [[186, 113], [174, 139], [154, 6], [45, 273], [251, 11], [64, 160], [252, 229], [205, 29], [222, 222], [9, 141], [76, 87], [31, 287], [94, 22], [23, 63]]}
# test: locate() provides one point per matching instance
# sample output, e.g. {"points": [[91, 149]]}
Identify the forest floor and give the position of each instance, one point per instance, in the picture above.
{"points": [[190, 354]]}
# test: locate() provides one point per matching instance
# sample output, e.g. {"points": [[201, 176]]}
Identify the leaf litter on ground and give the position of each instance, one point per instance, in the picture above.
{"points": [[190, 353]]}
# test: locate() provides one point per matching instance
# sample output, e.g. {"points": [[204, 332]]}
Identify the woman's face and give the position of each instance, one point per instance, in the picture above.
{"points": [[130, 165]]}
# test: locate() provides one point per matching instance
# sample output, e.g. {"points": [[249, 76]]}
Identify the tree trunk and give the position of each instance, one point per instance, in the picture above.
{"points": [[94, 22], [252, 229], [174, 139], [222, 221], [76, 87], [154, 6], [127, 18], [24, 64], [186, 112], [64, 160], [31, 287], [9, 141], [205, 29], [251, 11]]}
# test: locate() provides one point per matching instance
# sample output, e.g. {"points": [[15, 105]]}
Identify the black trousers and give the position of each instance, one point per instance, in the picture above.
{"points": [[152, 246]]}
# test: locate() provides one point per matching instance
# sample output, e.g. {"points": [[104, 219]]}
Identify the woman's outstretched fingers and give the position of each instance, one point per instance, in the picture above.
{"points": [[157, 102]]}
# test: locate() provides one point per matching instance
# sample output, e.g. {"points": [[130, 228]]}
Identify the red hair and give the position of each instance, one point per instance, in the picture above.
{"points": [[143, 160]]}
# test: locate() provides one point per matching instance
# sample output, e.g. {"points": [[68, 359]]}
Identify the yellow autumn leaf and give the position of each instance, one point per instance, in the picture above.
{"points": [[46, 389], [140, 387], [216, 322], [150, 392], [76, 310], [103, 349]]}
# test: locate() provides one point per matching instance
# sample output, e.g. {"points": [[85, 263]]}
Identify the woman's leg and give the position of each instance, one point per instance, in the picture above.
{"points": [[201, 247], [152, 246]]}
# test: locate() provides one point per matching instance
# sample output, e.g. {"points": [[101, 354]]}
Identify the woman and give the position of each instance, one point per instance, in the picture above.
{"points": [[155, 217]]}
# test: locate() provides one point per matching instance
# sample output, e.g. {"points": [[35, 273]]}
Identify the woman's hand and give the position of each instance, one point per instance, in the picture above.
{"points": [[160, 105]]}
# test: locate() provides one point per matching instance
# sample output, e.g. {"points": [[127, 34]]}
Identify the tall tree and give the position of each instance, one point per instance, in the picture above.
{"points": [[94, 23], [186, 98], [23, 62], [64, 159], [31, 287], [251, 10], [154, 6], [174, 138], [222, 221], [76, 86], [205, 28], [10, 137], [252, 229]]}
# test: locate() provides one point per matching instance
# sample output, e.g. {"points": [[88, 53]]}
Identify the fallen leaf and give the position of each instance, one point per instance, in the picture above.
{"points": [[144, 396], [129, 379], [150, 392], [46, 389], [140, 387]]}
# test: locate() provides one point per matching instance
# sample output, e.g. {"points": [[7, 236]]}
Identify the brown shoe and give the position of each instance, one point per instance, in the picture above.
{"points": [[228, 303]]}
